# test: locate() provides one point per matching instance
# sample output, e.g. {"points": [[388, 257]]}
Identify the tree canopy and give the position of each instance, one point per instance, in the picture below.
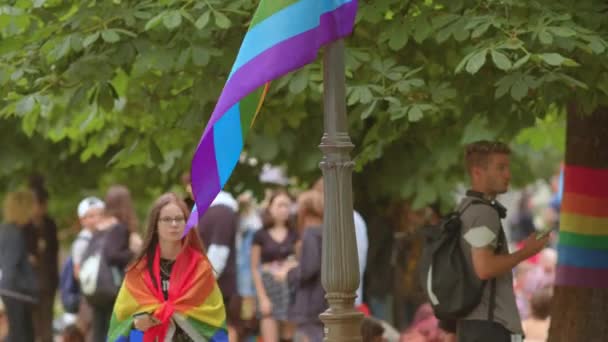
{"points": [[100, 91]]}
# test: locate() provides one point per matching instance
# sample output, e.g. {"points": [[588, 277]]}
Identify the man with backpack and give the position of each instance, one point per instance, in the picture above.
{"points": [[466, 267], [90, 211]]}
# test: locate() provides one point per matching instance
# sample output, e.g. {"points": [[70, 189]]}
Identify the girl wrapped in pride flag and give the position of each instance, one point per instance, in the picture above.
{"points": [[169, 292]]}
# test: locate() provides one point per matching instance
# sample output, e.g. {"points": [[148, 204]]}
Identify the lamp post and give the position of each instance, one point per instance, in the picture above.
{"points": [[340, 269]]}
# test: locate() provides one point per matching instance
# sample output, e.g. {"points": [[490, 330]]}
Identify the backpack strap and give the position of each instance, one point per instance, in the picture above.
{"points": [[492, 304]]}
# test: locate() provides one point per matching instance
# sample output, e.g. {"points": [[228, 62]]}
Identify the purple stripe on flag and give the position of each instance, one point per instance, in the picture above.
{"points": [[205, 178], [284, 57], [581, 277]]}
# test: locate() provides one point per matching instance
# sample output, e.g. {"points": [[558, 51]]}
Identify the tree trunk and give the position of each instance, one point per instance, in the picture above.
{"points": [[580, 302]]}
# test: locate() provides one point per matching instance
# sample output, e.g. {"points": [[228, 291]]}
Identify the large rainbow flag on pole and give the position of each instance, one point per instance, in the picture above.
{"points": [[283, 36], [583, 237]]}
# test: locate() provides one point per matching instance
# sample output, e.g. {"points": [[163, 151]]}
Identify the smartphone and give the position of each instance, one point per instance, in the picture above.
{"points": [[543, 232]]}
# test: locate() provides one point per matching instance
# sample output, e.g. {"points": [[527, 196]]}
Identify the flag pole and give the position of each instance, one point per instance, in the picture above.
{"points": [[340, 265]]}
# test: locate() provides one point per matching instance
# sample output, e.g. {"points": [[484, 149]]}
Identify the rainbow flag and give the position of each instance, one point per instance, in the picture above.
{"points": [[583, 237], [194, 301], [283, 36]]}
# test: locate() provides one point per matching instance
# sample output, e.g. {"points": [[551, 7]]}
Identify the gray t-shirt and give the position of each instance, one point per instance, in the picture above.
{"points": [[481, 227]]}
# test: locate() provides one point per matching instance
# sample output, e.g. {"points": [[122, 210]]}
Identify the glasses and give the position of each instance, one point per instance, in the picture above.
{"points": [[178, 220]]}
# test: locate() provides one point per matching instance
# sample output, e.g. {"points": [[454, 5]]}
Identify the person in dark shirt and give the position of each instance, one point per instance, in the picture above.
{"points": [[43, 247], [18, 284], [272, 254], [308, 295], [217, 228]]}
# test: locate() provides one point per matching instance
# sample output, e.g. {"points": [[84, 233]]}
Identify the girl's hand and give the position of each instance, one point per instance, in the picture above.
{"points": [[145, 322], [265, 306]]}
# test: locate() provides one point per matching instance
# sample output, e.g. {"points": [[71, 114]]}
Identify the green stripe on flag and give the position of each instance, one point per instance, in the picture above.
{"points": [[247, 106], [583, 241], [268, 8]]}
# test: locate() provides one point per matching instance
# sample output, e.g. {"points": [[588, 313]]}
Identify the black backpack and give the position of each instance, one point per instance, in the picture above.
{"points": [[99, 281], [449, 282]]}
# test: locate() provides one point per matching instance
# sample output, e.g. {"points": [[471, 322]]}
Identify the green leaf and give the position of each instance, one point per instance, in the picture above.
{"points": [[221, 20], [299, 82], [562, 31], [480, 30], [422, 29], [366, 95], [90, 39], [202, 21], [172, 20], [554, 59], [110, 36], [25, 106], [545, 37], [142, 15], [200, 56], [521, 61], [155, 153], [519, 90], [125, 32], [60, 50], [398, 40], [187, 15], [597, 45], [570, 63], [476, 62], [369, 110], [105, 99], [501, 61], [152, 23], [415, 113]]}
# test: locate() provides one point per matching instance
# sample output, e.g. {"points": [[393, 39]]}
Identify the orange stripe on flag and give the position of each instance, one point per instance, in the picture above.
{"points": [[585, 205]]}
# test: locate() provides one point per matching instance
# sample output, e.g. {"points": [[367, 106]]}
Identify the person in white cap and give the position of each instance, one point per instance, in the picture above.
{"points": [[90, 211]]}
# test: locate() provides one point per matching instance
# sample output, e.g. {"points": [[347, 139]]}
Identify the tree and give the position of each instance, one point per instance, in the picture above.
{"points": [[133, 82], [582, 275]]}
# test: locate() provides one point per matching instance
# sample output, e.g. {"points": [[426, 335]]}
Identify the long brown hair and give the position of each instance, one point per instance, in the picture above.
{"points": [[120, 205], [151, 239], [267, 219]]}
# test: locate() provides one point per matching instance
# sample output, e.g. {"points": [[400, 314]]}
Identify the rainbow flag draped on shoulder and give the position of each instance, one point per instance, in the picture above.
{"points": [[283, 36], [195, 302]]}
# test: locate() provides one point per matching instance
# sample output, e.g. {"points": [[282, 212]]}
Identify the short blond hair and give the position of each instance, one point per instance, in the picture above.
{"points": [[18, 207]]}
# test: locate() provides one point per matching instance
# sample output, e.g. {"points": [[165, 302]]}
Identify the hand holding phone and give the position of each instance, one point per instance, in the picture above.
{"points": [[543, 232]]}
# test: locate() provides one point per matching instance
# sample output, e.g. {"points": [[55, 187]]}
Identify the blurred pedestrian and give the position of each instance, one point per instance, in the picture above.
{"points": [[18, 282], [43, 246], [217, 229], [305, 279], [273, 253]]}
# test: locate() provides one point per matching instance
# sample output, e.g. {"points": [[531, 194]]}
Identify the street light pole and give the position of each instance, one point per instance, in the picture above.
{"points": [[340, 267]]}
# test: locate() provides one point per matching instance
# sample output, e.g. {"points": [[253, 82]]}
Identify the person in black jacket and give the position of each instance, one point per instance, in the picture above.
{"points": [[18, 284], [43, 247], [307, 293]]}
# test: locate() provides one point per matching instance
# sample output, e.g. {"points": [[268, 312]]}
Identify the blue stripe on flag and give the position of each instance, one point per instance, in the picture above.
{"points": [[228, 139]]}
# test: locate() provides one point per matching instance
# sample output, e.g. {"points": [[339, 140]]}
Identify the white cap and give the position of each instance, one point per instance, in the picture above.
{"points": [[88, 204]]}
